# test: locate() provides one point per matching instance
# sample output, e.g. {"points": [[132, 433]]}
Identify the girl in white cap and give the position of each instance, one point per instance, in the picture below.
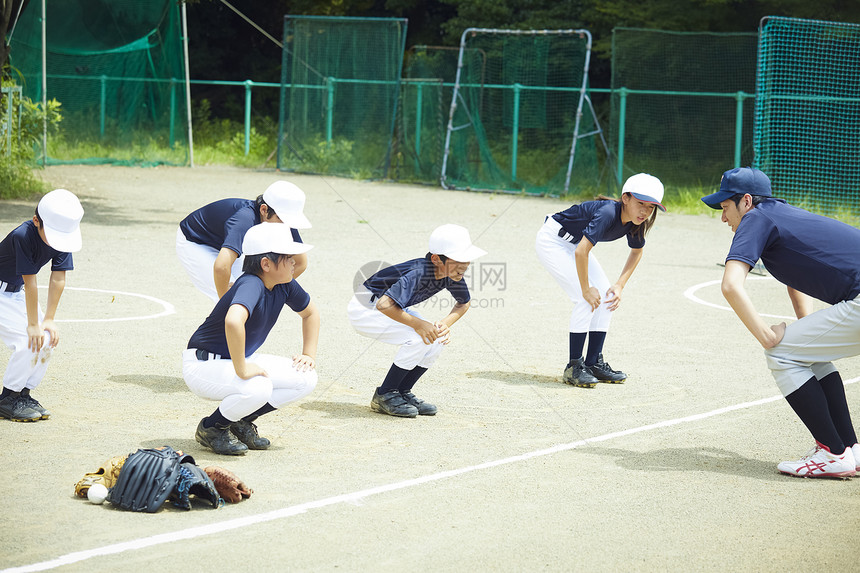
{"points": [[209, 240], [564, 244], [52, 235], [382, 311]]}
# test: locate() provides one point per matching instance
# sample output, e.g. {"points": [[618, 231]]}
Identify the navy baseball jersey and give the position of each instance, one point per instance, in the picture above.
{"points": [[414, 281], [23, 252], [816, 255], [264, 306], [223, 224], [598, 221]]}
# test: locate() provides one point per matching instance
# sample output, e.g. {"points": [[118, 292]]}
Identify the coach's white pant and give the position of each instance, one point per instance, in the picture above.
{"points": [[556, 255], [26, 368], [812, 343], [199, 262], [368, 321], [217, 380]]}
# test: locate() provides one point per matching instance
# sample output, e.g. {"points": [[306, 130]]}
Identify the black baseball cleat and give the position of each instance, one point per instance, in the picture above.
{"points": [[247, 434], [577, 374], [392, 403], [424, 408], [16, 408], [604, 373], [220, 440], [33, 403]]}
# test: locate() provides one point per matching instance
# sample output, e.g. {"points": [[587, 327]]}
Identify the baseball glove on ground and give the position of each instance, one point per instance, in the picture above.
{"points": [[230, 487], [106, 475], [146, 480]]}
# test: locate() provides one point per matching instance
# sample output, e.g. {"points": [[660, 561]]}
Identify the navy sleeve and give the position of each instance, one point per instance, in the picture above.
{"points": [[635, 241], [460, 291], [297, 298], [235, 228], [600, 223], [401, 292], [752, 237]]}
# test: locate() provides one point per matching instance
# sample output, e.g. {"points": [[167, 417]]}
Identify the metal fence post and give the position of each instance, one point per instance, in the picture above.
{"points": [[739, 126], [418, 103], [329, 115], [622, 118], [103, 104], [172, 112], [248, 84], [515, 131]]}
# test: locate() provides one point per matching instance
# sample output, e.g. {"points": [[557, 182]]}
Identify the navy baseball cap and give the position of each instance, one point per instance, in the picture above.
{"points": [[741, 180]]}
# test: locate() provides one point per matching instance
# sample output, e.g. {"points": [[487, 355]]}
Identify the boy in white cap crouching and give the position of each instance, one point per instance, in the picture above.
{"points": [[221, 361], [52, 235], [383, 312], [209, 240]]}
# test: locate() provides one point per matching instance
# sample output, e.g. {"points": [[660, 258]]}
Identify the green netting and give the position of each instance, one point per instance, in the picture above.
{"points": [[684, 129], [425, 96], [808, 112], [514, 122], [116, 67], [340, 83]]}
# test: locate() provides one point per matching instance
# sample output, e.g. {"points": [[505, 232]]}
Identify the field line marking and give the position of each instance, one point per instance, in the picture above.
{"points": [[355, 497], [167, 308], [690, 293]]}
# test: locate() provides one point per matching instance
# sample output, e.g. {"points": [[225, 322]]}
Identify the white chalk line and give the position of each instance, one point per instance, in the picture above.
{"points": [[355, 497], [167, 308], [690, 293]]}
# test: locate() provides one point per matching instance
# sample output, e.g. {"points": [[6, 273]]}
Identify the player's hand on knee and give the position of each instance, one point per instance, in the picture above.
{"points": [[51, 328], [427, 332], [444, 333], [613, 297], [592, 297], [303, 363], [250, 370], [35, 338]]}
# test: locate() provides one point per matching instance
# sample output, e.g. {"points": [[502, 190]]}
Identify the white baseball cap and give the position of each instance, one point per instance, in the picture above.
{"points": [[288, 201], [454, 242], [646, 188], [272, 238], [61, 213]]}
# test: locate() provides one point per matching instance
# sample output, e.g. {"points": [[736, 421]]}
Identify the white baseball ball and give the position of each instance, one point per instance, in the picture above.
{"points": [[97, 493]]}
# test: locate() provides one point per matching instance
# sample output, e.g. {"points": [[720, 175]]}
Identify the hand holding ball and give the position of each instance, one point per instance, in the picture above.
{"points": [[97, 493]]}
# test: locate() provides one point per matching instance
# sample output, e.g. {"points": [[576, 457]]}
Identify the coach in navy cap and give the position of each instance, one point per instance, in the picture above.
{"points": [[816, 258]]}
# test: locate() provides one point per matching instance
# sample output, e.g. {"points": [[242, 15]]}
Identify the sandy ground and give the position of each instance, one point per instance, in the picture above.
{"points": [[674, 470]]}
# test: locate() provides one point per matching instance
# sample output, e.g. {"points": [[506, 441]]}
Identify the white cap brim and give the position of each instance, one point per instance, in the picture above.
{"points": [[65, 242], [466, 255], [295, 220]]}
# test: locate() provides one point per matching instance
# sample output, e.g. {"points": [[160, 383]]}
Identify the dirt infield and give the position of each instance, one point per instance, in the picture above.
{"points": [[674, 470]]}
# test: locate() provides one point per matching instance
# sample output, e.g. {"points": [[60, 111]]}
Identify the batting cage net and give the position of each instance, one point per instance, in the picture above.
{"points": [[807, 138], [682, 104], [116, 68], [340, 86], [520, 117], [425, 94]]}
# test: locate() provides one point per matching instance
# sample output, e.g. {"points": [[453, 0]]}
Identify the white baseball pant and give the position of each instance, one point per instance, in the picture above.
{"points": [[812, 343], [26, 368], [215, 379], [370, 322], [199, 261], [557, 256]]}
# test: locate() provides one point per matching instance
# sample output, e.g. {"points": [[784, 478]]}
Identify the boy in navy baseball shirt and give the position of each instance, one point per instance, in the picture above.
{"points": [[383, 312], [221, 361], [52, 235], [209, 240]]}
